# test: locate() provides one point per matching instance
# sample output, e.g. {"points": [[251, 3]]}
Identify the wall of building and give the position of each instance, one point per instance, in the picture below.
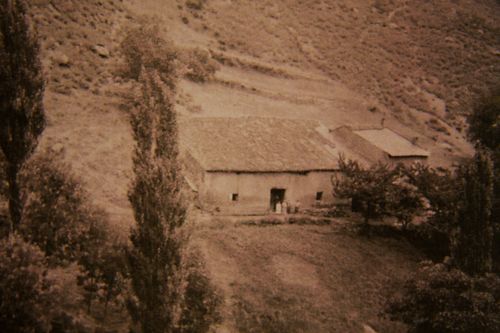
{"points": [[254, 190]]}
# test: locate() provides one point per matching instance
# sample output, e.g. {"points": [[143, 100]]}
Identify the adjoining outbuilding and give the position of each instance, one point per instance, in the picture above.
{"points": [[253, 165], [379, 145]]}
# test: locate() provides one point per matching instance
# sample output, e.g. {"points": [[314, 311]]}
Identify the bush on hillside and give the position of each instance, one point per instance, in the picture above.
{"points": [[200, 308], [27, 296], [199, 65], [57, 215], [440, 299], [195, 4]]}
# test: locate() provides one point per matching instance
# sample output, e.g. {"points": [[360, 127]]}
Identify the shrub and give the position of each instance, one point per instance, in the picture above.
{"points": [[440, 299], [27, 296], [199, 65], [200, 308], [57, 216], [195, 4]]}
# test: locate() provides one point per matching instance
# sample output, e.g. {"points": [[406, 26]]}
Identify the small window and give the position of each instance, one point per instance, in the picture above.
{"points": [[319, 196], [234, 197]]}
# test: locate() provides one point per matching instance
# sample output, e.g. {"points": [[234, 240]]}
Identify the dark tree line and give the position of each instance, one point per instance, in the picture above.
{"points": [[21, 96]]}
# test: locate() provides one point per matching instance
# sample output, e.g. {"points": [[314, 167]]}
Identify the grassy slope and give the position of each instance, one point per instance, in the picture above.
{"points": [[302, 59]]}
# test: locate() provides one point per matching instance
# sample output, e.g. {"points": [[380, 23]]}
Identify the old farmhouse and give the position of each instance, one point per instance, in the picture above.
{"points": [[248, 165], [379, 145]]}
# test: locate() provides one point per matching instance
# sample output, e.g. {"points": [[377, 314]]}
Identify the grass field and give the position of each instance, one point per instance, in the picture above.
{"points": [[303, 278]]}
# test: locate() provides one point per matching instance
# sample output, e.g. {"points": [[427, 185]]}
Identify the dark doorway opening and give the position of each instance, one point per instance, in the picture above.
{"points": [[277, 195]]}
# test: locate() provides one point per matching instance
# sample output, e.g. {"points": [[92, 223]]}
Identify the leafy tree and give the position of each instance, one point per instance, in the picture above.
{"points": [[368, 188], [27, 296], [102, 273], [441, 299], [155, 257], [484, 129], [472, 246], [57, 216], [405, 202], [22, 118], [440, 187], [484, 121], [3, 180], [144, 49]]}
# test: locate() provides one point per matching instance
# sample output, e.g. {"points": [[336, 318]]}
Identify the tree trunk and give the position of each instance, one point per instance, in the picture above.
{"points": [[15, 206]]}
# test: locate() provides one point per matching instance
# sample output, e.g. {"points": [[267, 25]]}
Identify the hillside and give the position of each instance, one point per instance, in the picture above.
{"points": [[415, 66]]}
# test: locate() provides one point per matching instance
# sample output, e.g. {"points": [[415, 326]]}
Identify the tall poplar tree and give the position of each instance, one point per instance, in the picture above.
{"points": [[154, 259], [472, 244], [22, 118]]}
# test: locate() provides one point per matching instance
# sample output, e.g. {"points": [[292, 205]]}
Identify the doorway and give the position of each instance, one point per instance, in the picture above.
{"points": [[277, 195]]}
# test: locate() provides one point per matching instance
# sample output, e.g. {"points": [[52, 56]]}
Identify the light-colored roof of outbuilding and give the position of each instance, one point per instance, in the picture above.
{"points": [[253, 144], [391, 143]]}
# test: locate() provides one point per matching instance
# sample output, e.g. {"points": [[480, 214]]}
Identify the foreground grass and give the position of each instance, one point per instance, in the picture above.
{"points": [[303, 278]]}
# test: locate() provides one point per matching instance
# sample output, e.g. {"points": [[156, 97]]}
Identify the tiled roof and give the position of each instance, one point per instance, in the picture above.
{"points": [[253, 144], [391, 143]]}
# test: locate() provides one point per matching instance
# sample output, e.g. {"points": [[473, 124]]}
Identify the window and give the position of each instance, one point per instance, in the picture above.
{"points": [[234, 197], [319, 196]]}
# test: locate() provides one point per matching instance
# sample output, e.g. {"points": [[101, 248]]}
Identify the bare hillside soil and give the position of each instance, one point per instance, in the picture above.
{"points": [[303, 278]]}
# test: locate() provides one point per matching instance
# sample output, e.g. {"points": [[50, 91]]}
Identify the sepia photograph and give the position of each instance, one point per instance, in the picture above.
{"points": [[249, 166]]}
